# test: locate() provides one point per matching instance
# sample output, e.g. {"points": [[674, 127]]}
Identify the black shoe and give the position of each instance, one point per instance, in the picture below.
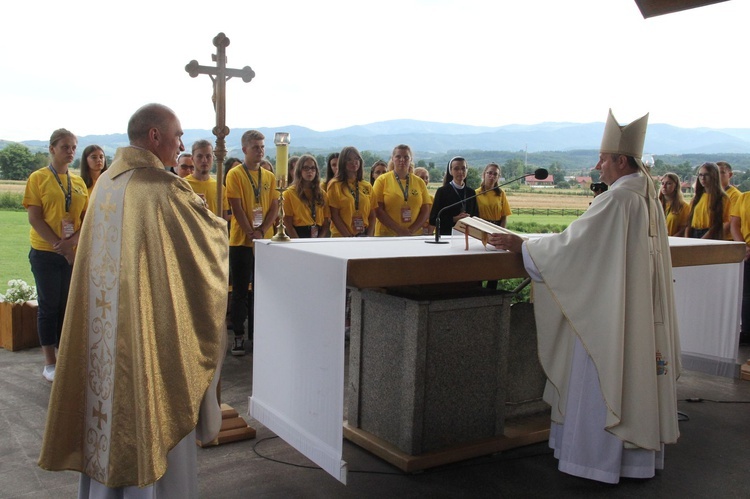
{"points": [[238, 349]]}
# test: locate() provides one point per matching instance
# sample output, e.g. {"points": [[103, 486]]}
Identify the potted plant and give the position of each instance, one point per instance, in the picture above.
{"points": [[18, 311]]}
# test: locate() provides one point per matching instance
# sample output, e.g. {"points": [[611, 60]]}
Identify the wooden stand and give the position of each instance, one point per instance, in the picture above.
{"points": [[233, 428], [745, 371], [18, 325], [526, 431]]}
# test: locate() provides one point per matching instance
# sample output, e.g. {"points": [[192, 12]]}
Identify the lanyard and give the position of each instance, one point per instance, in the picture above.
{"points": [[404, 190], [355, 194], [256, 188], [69, 194], [313, 207]]}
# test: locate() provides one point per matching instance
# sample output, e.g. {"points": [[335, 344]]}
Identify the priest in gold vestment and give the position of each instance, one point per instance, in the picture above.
{"points": [[144, 335]]}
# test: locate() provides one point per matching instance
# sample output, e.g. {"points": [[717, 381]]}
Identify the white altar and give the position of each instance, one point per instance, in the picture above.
{"points": [[298, 358]]}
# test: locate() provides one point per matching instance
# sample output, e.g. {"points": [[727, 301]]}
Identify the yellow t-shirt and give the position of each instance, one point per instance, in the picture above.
{"points": [[389, 193], [239, 187], [42, 189], [493, 206], [300, 210], [741, 209], [734, 197], [675, 220], [208, 189], [701, 215], [340, 197]]}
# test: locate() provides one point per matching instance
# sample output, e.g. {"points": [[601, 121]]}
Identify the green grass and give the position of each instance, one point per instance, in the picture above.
{"points": [[541, 219], [14, 248]]}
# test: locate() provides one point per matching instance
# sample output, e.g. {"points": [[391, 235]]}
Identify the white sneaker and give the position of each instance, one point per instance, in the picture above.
{"points": [[49, 372]]}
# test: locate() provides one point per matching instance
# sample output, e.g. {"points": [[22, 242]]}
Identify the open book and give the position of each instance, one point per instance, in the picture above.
{"points": [[479, 228]]}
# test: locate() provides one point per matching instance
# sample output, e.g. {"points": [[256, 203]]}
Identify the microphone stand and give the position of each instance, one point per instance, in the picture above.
{"points": [[540, 174]]}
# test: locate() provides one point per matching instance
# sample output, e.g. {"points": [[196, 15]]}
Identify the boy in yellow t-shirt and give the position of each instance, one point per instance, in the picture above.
{"points": [[254, 200], [200, 180]]}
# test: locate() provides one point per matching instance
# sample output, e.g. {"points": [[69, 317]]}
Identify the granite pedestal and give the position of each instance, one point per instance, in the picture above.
{"points": [[426, 368]]}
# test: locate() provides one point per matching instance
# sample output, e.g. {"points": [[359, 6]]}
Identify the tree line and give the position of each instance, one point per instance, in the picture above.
{"points": [[17, 162]]}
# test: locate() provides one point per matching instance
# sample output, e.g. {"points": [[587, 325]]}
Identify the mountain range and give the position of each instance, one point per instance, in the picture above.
{"points": [[429, 139]]}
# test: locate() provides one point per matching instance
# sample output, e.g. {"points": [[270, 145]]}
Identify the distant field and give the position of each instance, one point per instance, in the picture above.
{"points": [[16, 186], [571, 200]]}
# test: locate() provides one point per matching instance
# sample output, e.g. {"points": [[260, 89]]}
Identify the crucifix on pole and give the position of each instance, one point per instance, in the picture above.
{"points": [[219, 76], [233, 427]]}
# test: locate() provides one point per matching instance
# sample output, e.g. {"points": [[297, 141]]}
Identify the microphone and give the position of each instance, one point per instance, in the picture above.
{"points": [[539, 174]]}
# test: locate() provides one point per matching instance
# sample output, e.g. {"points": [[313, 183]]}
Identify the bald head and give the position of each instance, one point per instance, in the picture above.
{"points": [[155, 127], [145, 118]]}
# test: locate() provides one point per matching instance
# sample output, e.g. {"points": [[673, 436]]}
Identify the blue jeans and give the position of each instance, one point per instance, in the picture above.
{"points": [[52, 275]]}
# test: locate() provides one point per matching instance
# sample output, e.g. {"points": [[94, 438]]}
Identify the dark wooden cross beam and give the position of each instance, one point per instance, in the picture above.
{"points": [[219, 75]]}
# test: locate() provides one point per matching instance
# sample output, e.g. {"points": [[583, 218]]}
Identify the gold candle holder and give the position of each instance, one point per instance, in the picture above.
{"points": [[282, 140]]}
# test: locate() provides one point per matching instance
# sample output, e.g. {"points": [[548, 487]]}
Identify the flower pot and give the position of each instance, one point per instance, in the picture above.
{"points": [[18, 325]]}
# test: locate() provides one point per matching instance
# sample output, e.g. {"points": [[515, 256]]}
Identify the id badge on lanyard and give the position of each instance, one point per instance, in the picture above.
{"points": [[358, 223], [405, 213], [313, 231], [67, 226], [257, 216]]}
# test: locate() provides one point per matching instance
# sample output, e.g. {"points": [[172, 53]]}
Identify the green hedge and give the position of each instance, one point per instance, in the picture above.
{"points": [[11, 201]]}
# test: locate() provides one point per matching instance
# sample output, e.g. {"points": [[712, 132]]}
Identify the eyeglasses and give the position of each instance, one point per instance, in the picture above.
{"points": [[308, 168], [703, 175]]}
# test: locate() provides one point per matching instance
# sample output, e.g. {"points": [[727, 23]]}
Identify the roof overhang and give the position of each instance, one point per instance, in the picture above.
{"points": [[652, 8]]}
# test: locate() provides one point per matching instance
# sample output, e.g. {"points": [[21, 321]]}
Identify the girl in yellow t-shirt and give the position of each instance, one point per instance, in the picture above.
{"points": [[401, 198], [676, 210], [306, 212], [349, 197], [56, 202], [493, 205], [709, 209]]}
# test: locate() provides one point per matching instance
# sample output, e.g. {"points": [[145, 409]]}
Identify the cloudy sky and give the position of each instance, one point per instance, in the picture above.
{"points": [[327, 64]]}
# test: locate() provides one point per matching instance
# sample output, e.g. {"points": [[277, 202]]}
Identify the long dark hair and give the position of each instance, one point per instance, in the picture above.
{"points": [[85, 172], [329, 169], [677, 202], [716, 195], [343, 156], [317, 192]]}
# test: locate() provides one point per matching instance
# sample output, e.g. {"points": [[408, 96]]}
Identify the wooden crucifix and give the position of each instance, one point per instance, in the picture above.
{"points": [[219, 76], [233, 427]]}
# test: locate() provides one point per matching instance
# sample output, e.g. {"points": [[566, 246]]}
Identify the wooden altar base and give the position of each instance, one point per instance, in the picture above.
{"points": [[233, 428], [518, 432], [745, 371]]}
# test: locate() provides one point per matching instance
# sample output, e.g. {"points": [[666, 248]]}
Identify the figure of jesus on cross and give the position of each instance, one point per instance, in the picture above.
{"points": [[219, 75]]}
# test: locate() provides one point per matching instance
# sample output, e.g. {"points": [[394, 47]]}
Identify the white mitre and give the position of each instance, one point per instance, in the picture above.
{"points": [[627, 140]]}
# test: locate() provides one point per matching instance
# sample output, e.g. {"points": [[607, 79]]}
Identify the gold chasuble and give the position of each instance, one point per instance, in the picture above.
{"points": [[144, 330]]}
